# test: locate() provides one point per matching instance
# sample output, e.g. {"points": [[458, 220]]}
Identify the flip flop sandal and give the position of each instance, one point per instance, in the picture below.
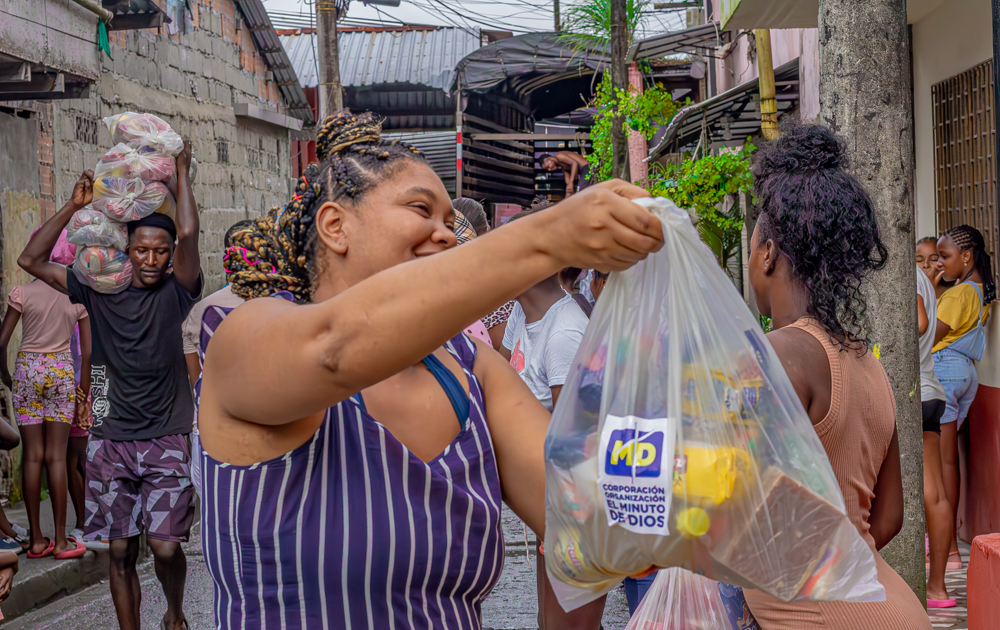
{"points": [[75, 552], [163, 625], [942, 603], [48, 550], [954, 564]]}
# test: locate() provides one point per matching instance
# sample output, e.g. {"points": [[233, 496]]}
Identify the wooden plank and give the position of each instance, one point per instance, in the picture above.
{"points": [[488, 173], [506, 164], [511, 144], [530, 137], [489, 148], [469, 119], [473, 184]]}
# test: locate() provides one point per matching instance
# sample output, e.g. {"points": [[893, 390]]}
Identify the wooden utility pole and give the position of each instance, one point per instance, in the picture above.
{"points": [[555, 9], [865, 96], [619, 80], [765, 72], [331, 98], [996, 105]]}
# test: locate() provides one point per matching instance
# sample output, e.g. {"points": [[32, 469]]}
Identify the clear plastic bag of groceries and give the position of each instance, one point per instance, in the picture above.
{"points": [[192, 173], [128, 199], [681, 600], [104, 269], [678, 441], [144, 130], [143, 162], [89, 227]]}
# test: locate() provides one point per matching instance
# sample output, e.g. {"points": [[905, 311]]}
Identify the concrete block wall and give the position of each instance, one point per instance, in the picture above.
{"points": [[190, 79]]}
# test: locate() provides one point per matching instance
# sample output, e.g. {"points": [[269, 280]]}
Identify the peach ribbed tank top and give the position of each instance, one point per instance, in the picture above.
{"points": [[856, 433]]}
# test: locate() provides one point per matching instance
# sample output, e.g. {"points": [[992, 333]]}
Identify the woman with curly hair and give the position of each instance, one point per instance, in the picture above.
{"points": [[959, 341], [356, 446], [815, 241]]}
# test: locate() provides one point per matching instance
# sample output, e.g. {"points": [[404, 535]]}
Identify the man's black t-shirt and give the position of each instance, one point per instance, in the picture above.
{"points": [[138, 378]]}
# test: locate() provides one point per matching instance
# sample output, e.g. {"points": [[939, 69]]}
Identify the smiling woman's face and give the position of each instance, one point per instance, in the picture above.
{"points": [[407, 216]]}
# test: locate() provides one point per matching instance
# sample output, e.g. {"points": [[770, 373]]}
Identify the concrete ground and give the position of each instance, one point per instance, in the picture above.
{"points": [[511, 606]]}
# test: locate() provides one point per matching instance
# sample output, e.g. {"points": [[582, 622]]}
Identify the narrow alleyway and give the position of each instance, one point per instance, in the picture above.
{"points": [[511, 606]]}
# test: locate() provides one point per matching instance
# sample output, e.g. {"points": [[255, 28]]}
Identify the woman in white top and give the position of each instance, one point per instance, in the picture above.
{"points": [[940, 523]]}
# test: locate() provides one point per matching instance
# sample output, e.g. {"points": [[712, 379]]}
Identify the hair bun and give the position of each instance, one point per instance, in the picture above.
{"points": [[804, 148], [343, 130]]}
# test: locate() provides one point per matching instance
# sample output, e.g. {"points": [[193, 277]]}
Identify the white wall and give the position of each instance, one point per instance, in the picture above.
{"points": [[953, 38], [786, 44]]}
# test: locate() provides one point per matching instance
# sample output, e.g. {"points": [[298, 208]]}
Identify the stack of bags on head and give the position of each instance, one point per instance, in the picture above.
{"points": [[136, 178]]}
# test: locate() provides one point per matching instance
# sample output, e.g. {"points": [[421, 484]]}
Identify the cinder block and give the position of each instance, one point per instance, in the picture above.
{"points": [[983, 583]]}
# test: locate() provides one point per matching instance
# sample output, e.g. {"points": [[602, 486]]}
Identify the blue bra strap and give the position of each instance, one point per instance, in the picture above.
{"points": [[450, 385], [459, 399]]}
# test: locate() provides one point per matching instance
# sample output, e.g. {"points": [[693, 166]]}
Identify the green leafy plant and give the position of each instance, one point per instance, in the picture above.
{"points": [[641, 113], [588, 22], [702, 186]]}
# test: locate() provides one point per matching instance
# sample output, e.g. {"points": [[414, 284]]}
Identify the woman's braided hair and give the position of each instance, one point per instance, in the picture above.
{"points": [[966, 237], [278, 252]]}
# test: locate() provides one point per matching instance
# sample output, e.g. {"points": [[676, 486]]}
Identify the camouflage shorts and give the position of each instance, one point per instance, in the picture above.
{"points": [[139, 486]]}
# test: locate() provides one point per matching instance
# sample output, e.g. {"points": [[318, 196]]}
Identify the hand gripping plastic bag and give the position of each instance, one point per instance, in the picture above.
{"points": [[104, 269], [89, 227], [128, 199], [681, 600], [678, 441], [146, 163], [144, 130]]}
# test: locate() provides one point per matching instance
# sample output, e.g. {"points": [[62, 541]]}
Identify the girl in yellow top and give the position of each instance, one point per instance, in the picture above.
{"points": [[959, 342]]}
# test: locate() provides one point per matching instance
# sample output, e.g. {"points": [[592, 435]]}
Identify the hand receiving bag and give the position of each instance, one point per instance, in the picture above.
{"points": [[678, 441]]}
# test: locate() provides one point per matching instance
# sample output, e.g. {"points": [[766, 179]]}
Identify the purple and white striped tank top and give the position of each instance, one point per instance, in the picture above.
{"points": [[352, 530]]}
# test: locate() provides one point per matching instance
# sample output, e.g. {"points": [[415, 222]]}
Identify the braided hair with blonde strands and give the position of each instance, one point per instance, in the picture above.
{"points": [[966, 237], [278, 252]]}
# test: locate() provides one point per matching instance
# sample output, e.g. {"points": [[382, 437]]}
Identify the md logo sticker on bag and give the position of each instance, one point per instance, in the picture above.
{"points": [[635, 485], [630, 453]]}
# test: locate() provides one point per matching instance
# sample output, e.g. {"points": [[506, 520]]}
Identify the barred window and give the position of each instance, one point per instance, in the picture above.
{"points": [[222, 151], [86, 129]]}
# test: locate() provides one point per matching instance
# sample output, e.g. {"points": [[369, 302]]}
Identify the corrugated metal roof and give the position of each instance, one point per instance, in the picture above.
{"points": [[438, 147], [274, 56], [425, 57]]}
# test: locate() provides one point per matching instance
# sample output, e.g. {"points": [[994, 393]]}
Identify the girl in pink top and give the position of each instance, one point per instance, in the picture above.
{"points": [[45, 400]]}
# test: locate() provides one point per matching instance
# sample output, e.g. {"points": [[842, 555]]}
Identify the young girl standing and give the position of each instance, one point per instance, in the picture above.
{"points": [[959, 341], [44, 396]]}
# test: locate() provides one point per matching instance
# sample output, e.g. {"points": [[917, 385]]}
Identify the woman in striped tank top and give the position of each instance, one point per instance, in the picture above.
{"points": [[356, 446]]}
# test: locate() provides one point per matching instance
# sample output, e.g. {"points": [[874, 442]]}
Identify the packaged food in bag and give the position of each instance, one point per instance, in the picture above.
{"points": [[127, 199], [143, 162], [681, 600], [192, 173], [144, 130], [169, 205], [104, 269], [89, 227], [678, 441]]}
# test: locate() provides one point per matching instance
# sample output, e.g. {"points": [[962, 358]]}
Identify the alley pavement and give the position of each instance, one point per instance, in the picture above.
{"points": [[511, 605]]}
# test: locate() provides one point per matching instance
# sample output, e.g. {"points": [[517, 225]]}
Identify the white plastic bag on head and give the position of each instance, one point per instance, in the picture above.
{"points": [[192, 173], [678, 441], [128, 199], [104, 269], [681, 600], [169, 205], [144, 130], [89, 227], [146, 163]]}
